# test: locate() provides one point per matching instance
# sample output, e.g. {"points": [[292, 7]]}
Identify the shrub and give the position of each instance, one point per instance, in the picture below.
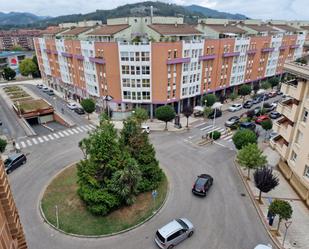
{"points": [[233, 96], [3, 144], [215, 135], [209, 99], [244, 137]]}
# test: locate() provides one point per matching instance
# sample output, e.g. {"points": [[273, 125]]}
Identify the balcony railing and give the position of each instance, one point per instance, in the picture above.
{"points": [[178, 60], [298, 69], [289, 111], [294, 46], [97, 60], [67, 55], [207, 57], [293, 88], [285, 129], [231, 54], [264, 50], [252, 51], [281, 146]]}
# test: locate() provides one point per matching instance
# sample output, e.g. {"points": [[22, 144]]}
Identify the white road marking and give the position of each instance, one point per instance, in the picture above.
{"points": [[65, 133], [51, 137], [230, 140], [40, 140], [227, 137], [55, 135], [60, 134], [76, 131], [34, 141], [71, 132], [92, 126], [45, 138], [29, 143], [199, 125], [215, 129], [78, 128], [84, 128], [88, 127], [205, 128], [23, 144], [17, 146]]}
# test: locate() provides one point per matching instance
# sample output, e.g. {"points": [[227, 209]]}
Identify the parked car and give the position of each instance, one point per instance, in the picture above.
{"points": [[213, 112], [72, 106], [14, 161], [79, 110], [274, 115], [40, 86], [272, 94], [247, 125], [257, 99], [235, 107], [260, 246], [145, 128], [279, 92], [0, 122], [261, 119], [202, 184], [256, 111], [232, 121], [50, 92], [248, 104], [173, 233], [45, 89], [268, 107]]}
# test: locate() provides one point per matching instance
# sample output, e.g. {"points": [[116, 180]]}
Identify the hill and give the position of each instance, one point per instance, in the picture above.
{"points": [[19, 18]]}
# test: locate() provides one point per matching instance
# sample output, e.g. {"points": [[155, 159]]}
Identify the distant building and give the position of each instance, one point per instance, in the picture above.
{"points": [[11, 231], [22, 38], [12, 59]]}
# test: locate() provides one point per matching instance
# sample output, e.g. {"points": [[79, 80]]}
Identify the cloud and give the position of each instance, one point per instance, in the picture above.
{"points": [[261, 9]]}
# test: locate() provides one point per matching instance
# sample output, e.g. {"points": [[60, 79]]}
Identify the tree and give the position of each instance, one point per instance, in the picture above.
{"points": [[27, 67], [209, 99], [233, 96], [265, 180], [251, 157], [281, 208], [301, 60], [256, 87], [244, 90], [274, 81], [243, 137], [88, 105], [266, 85], [17, 48], [165, 113], [187, 112], [125, 181], [3, 144], [140, 115], [8, 73], [207, 111], [267, 125], [136, 142], [37, 73]]}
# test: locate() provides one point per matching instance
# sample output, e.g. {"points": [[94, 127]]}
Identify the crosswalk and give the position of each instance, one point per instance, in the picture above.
{"points": [[54, 136], [210, 128]]}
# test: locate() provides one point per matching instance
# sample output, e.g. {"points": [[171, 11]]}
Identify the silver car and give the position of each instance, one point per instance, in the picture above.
{"points": [[173, 233]]}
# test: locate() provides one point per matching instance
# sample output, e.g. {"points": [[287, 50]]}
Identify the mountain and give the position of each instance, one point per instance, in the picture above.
{"points": [[19, 18], [190, 14], [214, 13]]}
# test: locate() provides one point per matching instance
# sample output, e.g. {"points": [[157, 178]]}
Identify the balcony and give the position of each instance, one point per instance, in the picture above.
{"points": [[178, 60], [97, 60], [298, 69], [289, 109], [207, 57], [293, 88], [267, 49], [284, 127], [231, 54], [281, 146]]}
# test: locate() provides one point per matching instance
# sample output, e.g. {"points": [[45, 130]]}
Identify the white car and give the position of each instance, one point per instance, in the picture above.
{"points": [[145, 128], [235, 107], [260, 246], [72, 106]]}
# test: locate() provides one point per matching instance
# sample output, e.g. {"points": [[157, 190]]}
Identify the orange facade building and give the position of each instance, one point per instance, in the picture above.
{"points": [[11, 231], [153, 61]]}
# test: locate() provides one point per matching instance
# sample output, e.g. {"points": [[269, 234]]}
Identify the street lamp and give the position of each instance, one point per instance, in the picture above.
{"points": [[287, 225]]}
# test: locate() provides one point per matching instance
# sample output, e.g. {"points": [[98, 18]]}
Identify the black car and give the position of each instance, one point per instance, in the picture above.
{"points": [[248, 104], [14, 161], [50, 92], [202, 184], [79, 111], [215, 113], [232, 121], [274, 115], [247, 125]]}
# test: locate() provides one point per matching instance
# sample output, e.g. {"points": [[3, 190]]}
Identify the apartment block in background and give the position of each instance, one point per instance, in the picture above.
{"points": [[293, 128], [11, 231], [152, 61]]}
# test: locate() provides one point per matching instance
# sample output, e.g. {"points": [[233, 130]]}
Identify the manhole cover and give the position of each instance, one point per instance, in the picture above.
{"points": [[243, 194]]}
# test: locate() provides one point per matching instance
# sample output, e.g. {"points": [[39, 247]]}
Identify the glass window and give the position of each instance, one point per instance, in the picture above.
{"points": [[299, 137], [132, 70], [293, 156], [306, 173], [124, 56], [146, 82], [145, 70], [305, 116], [137, 56]]}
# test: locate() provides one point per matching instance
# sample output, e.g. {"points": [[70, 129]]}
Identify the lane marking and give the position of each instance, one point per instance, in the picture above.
{"points": [[29, 143], [17, 146], [89, 127], [65, 133], [205, 128], [84, 128], [40, 140], [92, 126], [71, 132], [61, 134], [34, 141], [78, 128], [23, 144], [55, 135], [51, 137], [76, 131], [45, 138], [199, 125]]}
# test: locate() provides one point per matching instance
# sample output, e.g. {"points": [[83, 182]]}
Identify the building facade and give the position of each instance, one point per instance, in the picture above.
{"points": [[293, 129], [22, 38], [152, 61], [11, 232]]}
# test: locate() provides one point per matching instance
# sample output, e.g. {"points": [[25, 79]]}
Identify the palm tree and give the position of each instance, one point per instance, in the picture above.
{"points": [[265, 180]]}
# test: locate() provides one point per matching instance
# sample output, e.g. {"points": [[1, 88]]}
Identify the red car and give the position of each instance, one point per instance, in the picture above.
{"points": [[272, 94], [262, 118]]}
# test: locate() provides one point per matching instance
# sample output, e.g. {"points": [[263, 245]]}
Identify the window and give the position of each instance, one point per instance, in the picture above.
{"points": [[132, 82], [305, 116], [126, 95], [146, 95], [132, 70], [174, 236], [145, 56], [306, 173], [185, 67], [138, 83], [137, 56], [169, 82], [138, 70], [124, 56], [145, 82], [175, 53], [145, 70], [174, 93], [293, 156], [139, 96], [299, 137], [169, 54], [125, 69], [134, 95], [131, 56], [126, 82]]}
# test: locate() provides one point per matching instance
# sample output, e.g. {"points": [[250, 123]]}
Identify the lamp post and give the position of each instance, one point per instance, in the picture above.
{"points": [[287, 225]]}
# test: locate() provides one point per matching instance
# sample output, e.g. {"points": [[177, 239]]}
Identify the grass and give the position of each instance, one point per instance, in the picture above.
{"points": [[12, 89], [20, 94], [33, 105], [74, 217]]}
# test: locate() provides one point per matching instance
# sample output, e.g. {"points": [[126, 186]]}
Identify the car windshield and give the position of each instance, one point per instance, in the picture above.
{"points": [[200, 182], [183, 224], [7, 162], [161, 238]]}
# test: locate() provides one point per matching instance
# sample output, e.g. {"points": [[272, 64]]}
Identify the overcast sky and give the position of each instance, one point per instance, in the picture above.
{"points": [[261, 9]]}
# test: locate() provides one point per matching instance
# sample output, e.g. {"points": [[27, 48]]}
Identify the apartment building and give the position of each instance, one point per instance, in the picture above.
{"points": [[293, 128], [11, 232], [23, 38], [152, 61]]}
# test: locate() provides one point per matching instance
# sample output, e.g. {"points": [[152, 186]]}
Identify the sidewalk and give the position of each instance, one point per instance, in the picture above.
{"points": [[297, 235]]}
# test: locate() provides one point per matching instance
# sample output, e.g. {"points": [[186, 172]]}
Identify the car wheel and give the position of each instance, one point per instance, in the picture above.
{"points": [[9, 171], [170, 247], [24, 162], [190, 234]]}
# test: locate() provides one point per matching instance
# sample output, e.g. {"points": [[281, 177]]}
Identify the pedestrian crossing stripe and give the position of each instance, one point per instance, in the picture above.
{"points": [[51, 137], [61, 134], [23, 144], [71, 132], [206, 128], [40, 140], [92, 126], [65, 133], [34, 141], [78, 128], [74, 130], [45, 138], [84, 128], [29, 142], [55, 135]]}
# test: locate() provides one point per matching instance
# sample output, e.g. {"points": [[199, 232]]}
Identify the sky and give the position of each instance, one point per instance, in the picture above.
{"points": [[257, 9]]}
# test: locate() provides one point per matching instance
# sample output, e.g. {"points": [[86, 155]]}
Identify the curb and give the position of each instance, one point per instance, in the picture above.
{"points": [[257, 208], [96, 236]]}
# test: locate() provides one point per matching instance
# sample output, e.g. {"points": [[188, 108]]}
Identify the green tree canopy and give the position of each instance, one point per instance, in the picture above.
{"points": [[3, 144], [274, 81], [251, 157], [244, 90], [209, 100], [243, 137], [17, 48], [88, 105], [281, 208], [301, 60], [165, 113], [266, 85], [187, 112], [267, 125], [140, 115], [9, 73], [27, 67]]}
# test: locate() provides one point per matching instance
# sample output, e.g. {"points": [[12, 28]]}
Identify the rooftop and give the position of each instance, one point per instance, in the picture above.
{"points": [[107, 30], [286, 27], [175, 29], [221, 28], [305, 27], [76, 30], [261, 28], [52, 31], [13, 53]]}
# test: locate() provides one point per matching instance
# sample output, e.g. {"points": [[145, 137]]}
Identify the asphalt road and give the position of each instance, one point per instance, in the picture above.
{"points": [[223, 220]]}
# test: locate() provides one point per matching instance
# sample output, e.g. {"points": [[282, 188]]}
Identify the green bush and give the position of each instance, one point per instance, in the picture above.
{"points": [[215, 135], [244, 137], [3, 144], [233, 96]]}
